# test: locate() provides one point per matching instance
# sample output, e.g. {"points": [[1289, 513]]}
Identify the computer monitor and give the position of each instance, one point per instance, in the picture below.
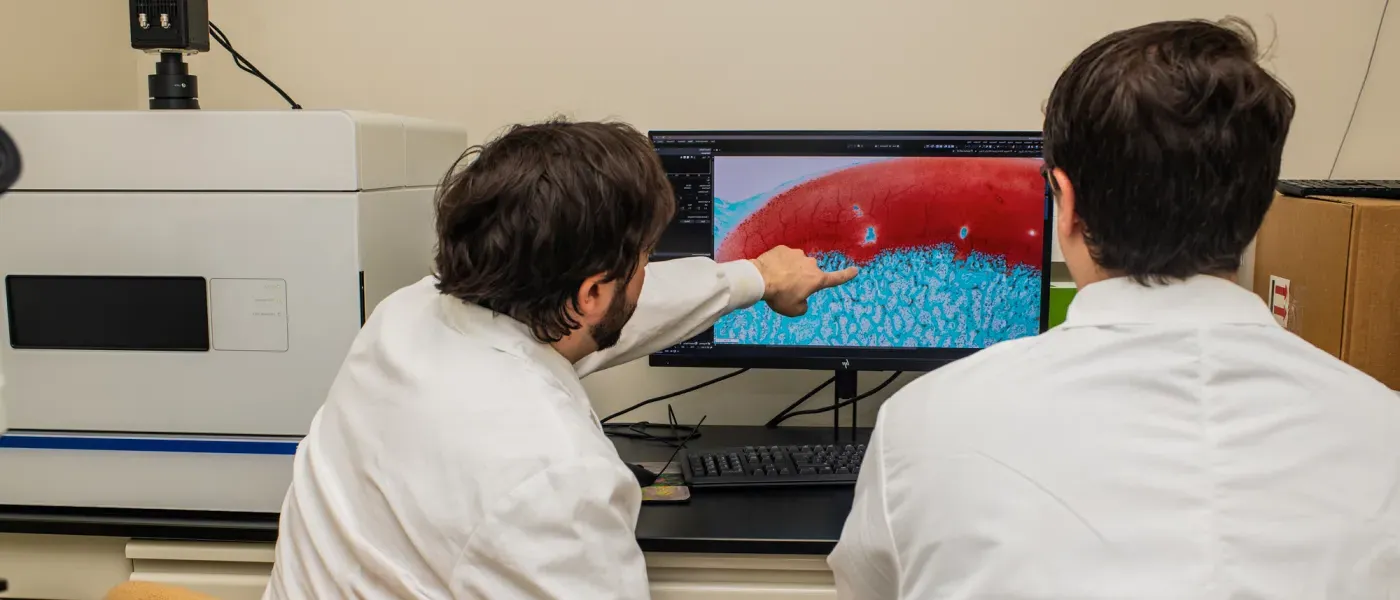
{"points": [[951, 231]]}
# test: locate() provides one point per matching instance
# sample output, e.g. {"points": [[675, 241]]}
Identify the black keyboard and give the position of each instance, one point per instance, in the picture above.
{"points": [[772, 466], [1346, 188]]}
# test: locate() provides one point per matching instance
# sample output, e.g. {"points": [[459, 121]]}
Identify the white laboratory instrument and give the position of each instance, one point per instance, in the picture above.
{"points": [[204, 271], [9, 172], [180, 288]]}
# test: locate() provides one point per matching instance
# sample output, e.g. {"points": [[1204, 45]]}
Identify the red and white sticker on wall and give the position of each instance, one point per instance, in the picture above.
{"points": [[1280, 298]]}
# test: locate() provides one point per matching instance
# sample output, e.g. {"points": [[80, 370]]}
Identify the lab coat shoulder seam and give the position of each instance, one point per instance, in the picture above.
{"points": [[1058, 499]]}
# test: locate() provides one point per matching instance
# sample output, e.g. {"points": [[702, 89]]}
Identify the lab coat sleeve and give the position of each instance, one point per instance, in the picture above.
{"points": [[865, 561], [567, 532], [680, 298]]}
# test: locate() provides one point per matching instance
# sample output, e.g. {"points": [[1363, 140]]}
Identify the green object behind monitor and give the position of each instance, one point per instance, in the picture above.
{"points": [[1061, 294]]}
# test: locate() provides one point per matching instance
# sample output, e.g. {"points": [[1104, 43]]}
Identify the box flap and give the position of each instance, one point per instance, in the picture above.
{"points": [[1354, 201], [1371, 341]]}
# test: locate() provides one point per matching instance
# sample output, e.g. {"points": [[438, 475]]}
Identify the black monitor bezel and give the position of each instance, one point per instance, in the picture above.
{"points": [[864, 361]]}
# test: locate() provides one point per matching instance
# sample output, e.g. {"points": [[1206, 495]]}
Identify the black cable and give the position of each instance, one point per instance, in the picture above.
{"points": [[642, 431], [838, 405], [678, 436], [1385, 9], [671, 395], [693, 435], [239, 60], [778, 418], [246, 65]]}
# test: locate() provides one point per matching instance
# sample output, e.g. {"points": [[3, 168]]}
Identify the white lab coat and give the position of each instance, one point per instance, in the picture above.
{"points": [[1169, 442], [458, 457]]}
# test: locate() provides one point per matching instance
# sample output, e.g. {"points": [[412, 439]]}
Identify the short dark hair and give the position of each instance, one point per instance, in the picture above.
{"points": [[543, 207], [1172, 135]]}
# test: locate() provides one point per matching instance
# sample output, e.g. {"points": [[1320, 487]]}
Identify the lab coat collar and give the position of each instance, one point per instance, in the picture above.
{"points": [[513, 337], [1202, 299]]}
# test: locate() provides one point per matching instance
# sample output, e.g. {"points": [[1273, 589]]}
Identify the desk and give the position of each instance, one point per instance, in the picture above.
{"points": [[804, 521], [726, 544]]}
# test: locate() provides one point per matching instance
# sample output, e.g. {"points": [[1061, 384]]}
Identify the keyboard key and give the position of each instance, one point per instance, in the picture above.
{"points": [[767, 465]]}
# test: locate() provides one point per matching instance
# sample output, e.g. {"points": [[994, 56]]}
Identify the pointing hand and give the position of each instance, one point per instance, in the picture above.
{"points": [[790, 277]]}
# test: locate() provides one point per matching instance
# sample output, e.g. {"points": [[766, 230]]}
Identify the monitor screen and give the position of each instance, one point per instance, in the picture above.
{"points": [[950, 231]]}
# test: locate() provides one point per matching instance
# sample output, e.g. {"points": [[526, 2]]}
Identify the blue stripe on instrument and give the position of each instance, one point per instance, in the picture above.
{"points": [[31, 441]]}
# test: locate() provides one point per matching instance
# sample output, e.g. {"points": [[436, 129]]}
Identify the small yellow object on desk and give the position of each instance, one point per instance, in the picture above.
{"points": [[141, 590]]}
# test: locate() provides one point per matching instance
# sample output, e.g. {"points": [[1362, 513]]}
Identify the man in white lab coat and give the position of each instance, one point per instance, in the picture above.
{"points": [[1169, 440], [457, 455]]}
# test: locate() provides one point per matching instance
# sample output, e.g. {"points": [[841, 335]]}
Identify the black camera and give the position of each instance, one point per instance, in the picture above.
{"points": [[173, 28]]}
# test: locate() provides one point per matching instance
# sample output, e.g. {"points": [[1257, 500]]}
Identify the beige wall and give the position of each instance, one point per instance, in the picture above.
{"points": [[1373, 147], [52, 61], [904, 64], [734, 63]]}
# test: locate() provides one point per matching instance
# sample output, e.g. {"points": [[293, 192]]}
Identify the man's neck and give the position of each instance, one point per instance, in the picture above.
{"points": [[1092, 276], [574, 347], [1101, 275]]}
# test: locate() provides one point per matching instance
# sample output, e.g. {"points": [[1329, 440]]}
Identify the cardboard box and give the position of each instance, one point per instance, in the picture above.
{"points": [[1328, 269]]}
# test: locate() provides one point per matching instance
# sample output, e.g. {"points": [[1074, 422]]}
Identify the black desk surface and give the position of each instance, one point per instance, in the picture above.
{"points": [[768, 521], [774, 521]]}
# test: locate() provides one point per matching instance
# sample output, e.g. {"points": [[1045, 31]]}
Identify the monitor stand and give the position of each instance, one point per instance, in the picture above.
{"points": [[846, 392]]}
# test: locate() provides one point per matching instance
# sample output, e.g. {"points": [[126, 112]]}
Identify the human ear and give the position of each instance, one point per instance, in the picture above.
{"points": [[594, 297]]}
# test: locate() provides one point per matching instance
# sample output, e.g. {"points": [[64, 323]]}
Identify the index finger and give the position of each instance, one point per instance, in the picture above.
{"points": [[835, 278]]}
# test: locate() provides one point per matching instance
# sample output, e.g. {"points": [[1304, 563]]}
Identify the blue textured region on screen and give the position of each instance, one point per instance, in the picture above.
{"points": [[913, 298]]}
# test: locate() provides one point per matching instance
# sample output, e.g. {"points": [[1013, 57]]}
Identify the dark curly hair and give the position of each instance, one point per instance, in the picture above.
{"points": [[1172, 135], [536, 211]]}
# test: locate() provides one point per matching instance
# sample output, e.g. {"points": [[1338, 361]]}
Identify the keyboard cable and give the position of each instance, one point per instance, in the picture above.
{"points": [[787, 413], [639, 430]]}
